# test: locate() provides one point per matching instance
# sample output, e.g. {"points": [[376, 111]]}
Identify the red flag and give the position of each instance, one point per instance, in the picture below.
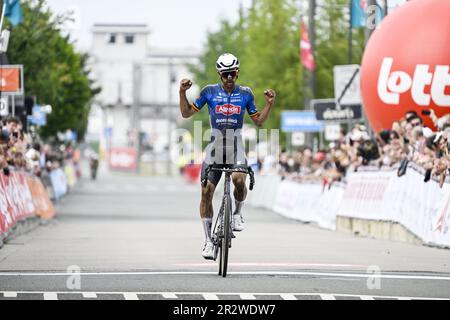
{"points": [[306, 53]]}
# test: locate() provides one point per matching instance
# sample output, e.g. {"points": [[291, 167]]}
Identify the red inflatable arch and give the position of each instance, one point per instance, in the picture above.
{"points": [[406, 64]]}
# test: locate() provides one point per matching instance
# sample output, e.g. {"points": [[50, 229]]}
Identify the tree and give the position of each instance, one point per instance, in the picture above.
{"points": [[53, 71], [332, 28], [271, 57]]}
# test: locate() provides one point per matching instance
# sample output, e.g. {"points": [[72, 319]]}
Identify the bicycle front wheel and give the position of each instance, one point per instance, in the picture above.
{"points": [[226, 237]]}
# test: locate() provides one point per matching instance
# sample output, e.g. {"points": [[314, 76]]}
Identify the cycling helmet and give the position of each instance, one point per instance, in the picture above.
{"points": [[227, 62]]}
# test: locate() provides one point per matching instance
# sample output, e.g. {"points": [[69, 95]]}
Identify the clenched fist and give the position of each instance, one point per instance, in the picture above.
{"points": [[185, 84], [270, 95]]}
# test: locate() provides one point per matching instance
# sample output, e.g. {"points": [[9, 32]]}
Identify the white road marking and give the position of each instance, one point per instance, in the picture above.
{"points": [[279, 265], [50, 296], [210, 296], [89, 295], [169, 295], [269, 273], [130, 296], [10, 294], [173, 295], [286, 296]]}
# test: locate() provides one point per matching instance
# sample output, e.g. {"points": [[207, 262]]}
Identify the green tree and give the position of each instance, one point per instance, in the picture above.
{"points": [[332, 30], [53, 71], [271, 57]]}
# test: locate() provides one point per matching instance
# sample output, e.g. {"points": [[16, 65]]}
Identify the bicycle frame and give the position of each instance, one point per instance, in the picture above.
{"points": [[222, 230]]}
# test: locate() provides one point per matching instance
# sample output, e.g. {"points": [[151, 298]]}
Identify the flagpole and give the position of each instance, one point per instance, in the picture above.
{"points": [[350, 35], [312, 40], [312, 73], [3, 14]]}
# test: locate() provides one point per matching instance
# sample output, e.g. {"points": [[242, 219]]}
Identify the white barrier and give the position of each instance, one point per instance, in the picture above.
{"points": [[265, 191], [304, 202], [422, 208]]}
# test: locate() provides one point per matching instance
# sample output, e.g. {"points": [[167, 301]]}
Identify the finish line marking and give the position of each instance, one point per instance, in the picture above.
{"points": [[262, 273], [276, 264], [210, 295]]}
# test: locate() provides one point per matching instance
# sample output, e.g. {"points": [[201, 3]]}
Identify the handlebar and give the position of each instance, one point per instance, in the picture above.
{"points": [[247, 170]]}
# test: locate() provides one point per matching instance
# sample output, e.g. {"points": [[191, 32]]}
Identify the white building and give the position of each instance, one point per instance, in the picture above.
{"points": [[139, 86]]}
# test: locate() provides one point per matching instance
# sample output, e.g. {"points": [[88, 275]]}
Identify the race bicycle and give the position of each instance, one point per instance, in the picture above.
{"points": [[222, 232]]}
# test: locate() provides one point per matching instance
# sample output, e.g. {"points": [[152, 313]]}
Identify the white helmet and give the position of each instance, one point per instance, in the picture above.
{"points": [[226, 62]]}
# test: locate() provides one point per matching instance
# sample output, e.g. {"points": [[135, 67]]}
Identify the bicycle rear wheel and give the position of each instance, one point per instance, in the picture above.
{"points": [[223, 265]]}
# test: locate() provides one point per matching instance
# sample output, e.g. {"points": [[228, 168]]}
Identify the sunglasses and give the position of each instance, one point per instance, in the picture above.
{"points": [[415, 124], [225, 74]]}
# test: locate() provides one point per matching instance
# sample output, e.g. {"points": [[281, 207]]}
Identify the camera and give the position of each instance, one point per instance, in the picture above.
{"points": [[426, 112]]}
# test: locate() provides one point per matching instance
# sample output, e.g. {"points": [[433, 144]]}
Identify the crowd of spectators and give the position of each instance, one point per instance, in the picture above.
{"points": [[20, 151], [407, 141]]}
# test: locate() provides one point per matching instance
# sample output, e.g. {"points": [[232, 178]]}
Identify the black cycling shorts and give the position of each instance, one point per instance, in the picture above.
{"points": [[214, 176], [223, 152]]}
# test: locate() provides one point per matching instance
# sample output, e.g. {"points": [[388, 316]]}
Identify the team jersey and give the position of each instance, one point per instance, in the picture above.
{"points": [[226, 110]]}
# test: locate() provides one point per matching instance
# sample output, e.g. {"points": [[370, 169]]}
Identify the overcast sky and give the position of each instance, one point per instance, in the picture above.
{"points": [[173, 23]]}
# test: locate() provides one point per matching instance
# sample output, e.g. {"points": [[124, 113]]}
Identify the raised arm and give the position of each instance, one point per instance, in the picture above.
{"points": [[185, 107], [270, 95]]}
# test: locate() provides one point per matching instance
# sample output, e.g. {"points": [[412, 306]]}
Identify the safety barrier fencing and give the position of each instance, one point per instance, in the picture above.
{"points": [[375, 203], [27, 200]]}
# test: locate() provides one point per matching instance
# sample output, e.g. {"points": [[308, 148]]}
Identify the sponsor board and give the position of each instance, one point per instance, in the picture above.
{"points": [[41, 200], [16, 202], [123, 158]]}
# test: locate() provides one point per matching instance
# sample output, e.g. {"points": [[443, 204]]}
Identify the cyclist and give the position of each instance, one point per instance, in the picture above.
{"points": [[227, 103]]}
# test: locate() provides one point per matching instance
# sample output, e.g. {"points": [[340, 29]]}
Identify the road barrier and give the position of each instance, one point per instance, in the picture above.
{"points": [[22, 196], [25, 197], [372, 203], [59, 183]]}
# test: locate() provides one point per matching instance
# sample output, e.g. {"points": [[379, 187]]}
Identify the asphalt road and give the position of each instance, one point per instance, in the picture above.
{"points": [[131, 237]]}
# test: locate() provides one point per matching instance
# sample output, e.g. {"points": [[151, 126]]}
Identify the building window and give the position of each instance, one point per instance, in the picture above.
{"points": [[129, 38], [112, 38]]}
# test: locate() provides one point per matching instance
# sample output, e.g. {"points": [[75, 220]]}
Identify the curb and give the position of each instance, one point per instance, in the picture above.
{"points": [[20, 228], [386, 230]]}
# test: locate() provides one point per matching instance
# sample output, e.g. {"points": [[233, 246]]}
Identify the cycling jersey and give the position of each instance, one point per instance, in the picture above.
{"points": [[226, 110]]}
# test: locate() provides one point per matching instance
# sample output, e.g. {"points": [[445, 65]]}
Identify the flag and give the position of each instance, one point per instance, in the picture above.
{"points": [[358, 17], [358, 13], [13, 11], [306, 52]]}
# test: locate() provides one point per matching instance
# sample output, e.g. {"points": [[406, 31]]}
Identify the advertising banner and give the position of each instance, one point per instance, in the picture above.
{"points": [[123, 158], [10, 79], [300, 121], [41, 200], [16, 202], [378, 195], [59, 183]]}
